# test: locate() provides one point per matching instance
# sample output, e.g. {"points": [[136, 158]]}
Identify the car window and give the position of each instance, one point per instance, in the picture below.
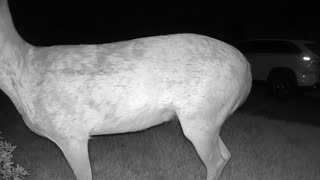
{"points": [[269, 47], [314, 47]]}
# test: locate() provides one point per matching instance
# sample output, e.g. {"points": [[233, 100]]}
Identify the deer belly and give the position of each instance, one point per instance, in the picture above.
{"points": [[140, 119]]}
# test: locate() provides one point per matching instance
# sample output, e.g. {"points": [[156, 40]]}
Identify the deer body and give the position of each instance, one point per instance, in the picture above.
{"points": [[69, 93]]}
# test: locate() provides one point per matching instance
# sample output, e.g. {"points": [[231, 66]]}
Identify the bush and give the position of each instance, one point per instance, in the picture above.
{"points": [[7, 170]]}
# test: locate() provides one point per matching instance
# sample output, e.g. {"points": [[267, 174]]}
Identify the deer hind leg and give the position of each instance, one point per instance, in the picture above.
{"points": [[204, 134], [76, 153]]}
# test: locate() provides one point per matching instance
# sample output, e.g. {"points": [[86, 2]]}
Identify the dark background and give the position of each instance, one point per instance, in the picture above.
{"points": [[45, 23]]}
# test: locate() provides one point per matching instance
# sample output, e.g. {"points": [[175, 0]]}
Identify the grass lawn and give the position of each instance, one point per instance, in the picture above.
{"points": [[262, 149]]}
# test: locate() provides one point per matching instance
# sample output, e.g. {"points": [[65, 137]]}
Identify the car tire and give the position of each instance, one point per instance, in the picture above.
{"points": [[283, 85]]}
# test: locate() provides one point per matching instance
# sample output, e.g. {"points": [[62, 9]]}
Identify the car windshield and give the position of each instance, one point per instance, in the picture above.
{"points": [[314, 47]]}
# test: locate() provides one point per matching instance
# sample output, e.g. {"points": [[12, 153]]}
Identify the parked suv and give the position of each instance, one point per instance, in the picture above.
{"points": [[284, 64]]}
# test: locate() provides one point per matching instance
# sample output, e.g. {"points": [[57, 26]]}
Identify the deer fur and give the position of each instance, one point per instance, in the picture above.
{"points": [[72, 92]]}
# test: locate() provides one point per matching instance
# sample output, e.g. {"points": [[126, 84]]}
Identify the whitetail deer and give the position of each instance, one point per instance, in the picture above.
{"points": [[69, 93]]}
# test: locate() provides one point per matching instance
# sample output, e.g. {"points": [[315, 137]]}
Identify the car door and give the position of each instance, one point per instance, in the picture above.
{"points": [[264, 55], [255, 52]]}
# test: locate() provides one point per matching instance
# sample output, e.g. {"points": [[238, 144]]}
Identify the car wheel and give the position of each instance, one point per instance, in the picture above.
{"points": [[283, 86]]}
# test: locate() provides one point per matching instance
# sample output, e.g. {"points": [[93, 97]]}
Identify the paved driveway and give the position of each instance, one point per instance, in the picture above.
{"points": [[303, 109]]}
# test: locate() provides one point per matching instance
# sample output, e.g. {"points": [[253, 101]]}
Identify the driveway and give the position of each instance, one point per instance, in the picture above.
{"points": [[303, 108]]}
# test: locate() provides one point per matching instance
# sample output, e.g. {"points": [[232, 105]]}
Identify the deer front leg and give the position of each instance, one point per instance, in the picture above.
{"points": [[76, 153]]}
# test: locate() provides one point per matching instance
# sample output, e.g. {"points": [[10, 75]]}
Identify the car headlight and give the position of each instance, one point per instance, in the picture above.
{"points": [[306, 58]]}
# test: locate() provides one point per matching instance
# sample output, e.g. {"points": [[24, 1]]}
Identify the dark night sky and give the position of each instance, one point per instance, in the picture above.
{"points": [[43, 23]]}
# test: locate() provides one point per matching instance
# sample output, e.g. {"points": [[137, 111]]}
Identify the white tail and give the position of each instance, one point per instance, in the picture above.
{"points": [[68, 93]]}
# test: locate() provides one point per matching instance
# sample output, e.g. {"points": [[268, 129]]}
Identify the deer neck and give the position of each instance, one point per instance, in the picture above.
{"points": [[13, 50]]}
